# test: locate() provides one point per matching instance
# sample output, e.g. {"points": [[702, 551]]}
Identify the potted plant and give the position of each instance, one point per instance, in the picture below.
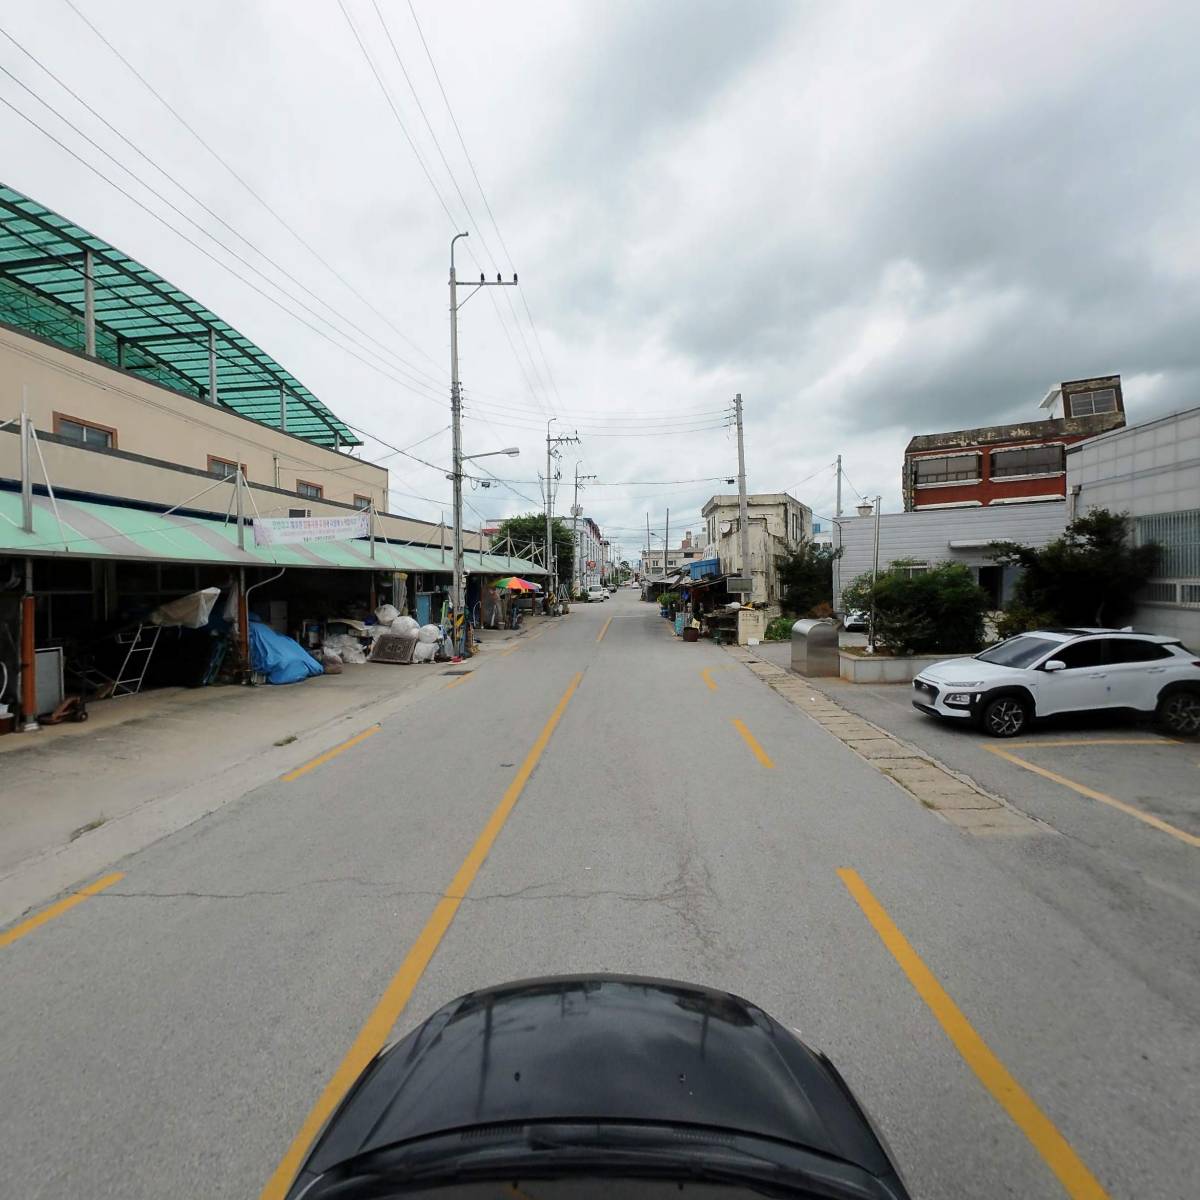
{"points": [[664, 603]]}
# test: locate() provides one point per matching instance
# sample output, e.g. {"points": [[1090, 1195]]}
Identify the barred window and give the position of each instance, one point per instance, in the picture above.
{"points": [[1178, 537], [951, 469], [1033, 460], [1088, 404]]}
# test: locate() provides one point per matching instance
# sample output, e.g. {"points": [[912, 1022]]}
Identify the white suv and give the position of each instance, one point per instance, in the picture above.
{"points": [[1052, 671], [596, 593]]}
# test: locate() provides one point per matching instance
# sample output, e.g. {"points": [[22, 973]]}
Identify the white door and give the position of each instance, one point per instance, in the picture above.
{"points": [[1080, 686], [1136, 672]]}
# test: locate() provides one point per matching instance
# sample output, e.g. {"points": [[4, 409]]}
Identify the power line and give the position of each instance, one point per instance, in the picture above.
{"points": [[299, 238], [207, 253], [194, 198], [429, 177], [482, 194], [411, 385]]}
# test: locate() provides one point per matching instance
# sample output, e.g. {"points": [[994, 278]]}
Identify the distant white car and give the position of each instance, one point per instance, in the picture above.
{"points": [[596, 593], [1053, 671], [854, 619]]}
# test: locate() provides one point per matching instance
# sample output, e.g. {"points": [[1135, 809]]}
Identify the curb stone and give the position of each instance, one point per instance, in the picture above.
{"points": [[956, 799]]}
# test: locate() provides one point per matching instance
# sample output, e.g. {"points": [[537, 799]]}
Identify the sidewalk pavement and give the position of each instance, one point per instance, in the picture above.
{"points": [[73, 798]]}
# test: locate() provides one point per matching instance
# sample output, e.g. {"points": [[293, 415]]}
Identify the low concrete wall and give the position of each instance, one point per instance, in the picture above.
{"points": [[883, 668]]}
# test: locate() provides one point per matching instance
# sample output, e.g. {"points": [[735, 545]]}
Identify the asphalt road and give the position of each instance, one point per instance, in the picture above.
{"points": [[587, 802]]}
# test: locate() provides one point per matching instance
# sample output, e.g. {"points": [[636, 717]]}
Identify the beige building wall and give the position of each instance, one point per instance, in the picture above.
{"points": [[777, 522], [152, 421], [176, 436]]}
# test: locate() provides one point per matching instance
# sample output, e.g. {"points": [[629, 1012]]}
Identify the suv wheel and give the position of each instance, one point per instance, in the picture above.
{"points": [[1006, 716], [1179, 713]]}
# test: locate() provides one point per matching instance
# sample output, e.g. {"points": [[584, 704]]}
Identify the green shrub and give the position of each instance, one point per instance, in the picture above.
{"points": [[937, 611], [1020, 618], [779, 629], [1089, 576]]}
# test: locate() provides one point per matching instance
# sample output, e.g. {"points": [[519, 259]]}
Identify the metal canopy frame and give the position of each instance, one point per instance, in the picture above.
{"points": [[141, 323]]}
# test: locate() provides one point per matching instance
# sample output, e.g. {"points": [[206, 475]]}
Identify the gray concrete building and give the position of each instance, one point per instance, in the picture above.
{"points": [[926, 538], [1152, 472]]}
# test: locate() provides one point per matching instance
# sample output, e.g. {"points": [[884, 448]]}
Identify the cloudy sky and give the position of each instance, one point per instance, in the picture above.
{"points": [[872, 220]]}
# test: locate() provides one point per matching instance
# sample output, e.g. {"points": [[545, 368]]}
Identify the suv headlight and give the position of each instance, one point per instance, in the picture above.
{"points": [[958, 700]]}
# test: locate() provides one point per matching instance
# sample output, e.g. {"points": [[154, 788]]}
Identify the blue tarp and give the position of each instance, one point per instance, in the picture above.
{"points": [[279, 658], [705, 568]]}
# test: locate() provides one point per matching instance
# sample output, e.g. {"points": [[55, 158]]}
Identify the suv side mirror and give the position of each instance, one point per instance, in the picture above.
{"points": [[1054, 664]]}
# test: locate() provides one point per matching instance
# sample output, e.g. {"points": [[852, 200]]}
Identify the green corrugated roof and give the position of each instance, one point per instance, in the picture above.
{"points": [[143, 323], [91, 530]]}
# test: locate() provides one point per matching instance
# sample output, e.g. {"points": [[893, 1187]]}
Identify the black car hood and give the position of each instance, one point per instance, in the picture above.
{"points": [[601, 1048]]}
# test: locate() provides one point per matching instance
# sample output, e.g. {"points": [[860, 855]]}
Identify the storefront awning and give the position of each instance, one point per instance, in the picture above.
{"points": [[85, 529]]}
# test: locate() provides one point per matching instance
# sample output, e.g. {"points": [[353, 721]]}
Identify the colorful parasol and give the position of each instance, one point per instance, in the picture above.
{"points": [[513, 584]]}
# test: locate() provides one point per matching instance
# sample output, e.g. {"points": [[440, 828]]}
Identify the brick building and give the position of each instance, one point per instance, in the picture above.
{"points": [[1011, 464]]}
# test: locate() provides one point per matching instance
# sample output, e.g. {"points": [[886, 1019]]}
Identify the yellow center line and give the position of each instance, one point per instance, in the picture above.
{"points": [[56, 910], [600, 635], [391, 1004], [752, 742], [324, 758], [1182, 835], [708, 679], [1078, 1182]]}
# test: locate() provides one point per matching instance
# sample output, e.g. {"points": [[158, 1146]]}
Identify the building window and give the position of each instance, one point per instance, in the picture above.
{"points": [[1178, 537], [1035, 460], [223, 467], [954, 468], [310, 491], [299, 513], [361, 501], [1090, 404], [86, 432]]}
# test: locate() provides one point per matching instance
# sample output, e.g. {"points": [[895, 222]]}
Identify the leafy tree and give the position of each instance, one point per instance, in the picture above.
{"points": [[528, 533], [1089, 576], [806, 577], [936, 611]]}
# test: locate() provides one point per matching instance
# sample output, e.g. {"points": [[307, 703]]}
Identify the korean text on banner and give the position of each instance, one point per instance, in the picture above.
{"points": [[280, 531]]}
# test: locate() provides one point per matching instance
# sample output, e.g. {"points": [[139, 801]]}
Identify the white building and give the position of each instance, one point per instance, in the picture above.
{"points": [[927, 537], [590, 549], [1152, 472], [777, 524]]}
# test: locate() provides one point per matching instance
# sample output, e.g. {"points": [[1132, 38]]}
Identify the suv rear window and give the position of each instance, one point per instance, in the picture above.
{"points": [[1132, 650], [1018, 651]]}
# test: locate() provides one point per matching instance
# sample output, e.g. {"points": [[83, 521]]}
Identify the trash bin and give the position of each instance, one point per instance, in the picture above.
{"points": [[815, 647]]}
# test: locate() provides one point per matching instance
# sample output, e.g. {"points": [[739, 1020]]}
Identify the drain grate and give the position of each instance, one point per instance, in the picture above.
{"points": [[457, 672]]}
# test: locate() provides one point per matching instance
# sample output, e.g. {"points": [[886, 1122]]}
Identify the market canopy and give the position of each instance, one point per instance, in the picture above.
{"points": [[143, 324], [85, 529]]}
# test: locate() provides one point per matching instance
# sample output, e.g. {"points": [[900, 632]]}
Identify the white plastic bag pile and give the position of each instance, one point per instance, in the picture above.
{"points": [[404, 626], [385, 614], [346, 648], [429, 638]]}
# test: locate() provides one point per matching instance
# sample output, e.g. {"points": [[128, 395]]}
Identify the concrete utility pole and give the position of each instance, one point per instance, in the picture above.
{"points": [[667, 541], [551, 554], [743, 505], [456, 589], [575, 511], [874, 576], [837, 512]]}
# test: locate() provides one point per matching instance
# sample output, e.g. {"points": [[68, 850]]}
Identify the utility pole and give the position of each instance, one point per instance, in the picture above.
{"points": [[874, 577], [551, 556], [838, 510], [647, 559], [667, 541], [575, 511], [456, 590], [743, 505]]}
